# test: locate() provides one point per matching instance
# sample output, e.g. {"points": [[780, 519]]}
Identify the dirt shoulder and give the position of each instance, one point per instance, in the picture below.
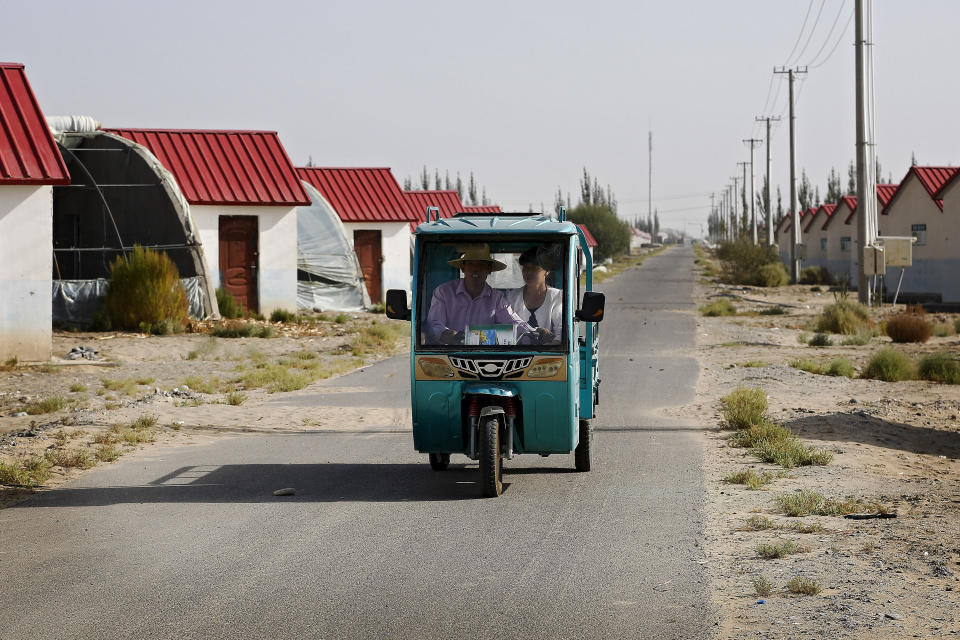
{"points": [[59, 418], [897, 444]]}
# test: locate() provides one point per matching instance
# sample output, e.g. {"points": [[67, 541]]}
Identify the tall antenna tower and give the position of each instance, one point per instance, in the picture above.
{"points": [[650, 175]]}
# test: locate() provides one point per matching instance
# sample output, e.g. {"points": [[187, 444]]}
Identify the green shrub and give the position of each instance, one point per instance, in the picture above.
{"points": [[815, 275], [47, 405], [764, 431], [341, 318], [779, 549], [939, 367], [820, 340], [282, 315], [811, 503], [145, 292], [942, 330], [718, 308], [861, 337], [742, 263], [744, 407], [840, 367], [237, 329], [803, 586], [809, 366], [773, 311], [843, 316], [789, 453], [909, 326], [229, 308], [31, 472], [773, 275], [889, 365], [612, 234]]}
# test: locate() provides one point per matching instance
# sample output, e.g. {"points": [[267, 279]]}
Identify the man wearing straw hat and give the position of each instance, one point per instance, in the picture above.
{"points": [[470, 300]]}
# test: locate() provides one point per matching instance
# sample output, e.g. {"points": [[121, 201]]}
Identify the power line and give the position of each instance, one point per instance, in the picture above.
{"points": [[835, 44], [799, 35], [812, 30], [829, 33]]}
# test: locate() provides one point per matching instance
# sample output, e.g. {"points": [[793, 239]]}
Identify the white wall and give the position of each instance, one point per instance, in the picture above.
{"points": [[395, 247], [26, 263], [277, 244], [936, 263]]}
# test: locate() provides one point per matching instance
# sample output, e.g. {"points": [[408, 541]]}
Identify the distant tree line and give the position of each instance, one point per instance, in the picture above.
{"points": [[468, 195]]}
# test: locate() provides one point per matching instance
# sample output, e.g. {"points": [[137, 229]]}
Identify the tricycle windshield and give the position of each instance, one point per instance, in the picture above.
{"points": [[492, 295]]}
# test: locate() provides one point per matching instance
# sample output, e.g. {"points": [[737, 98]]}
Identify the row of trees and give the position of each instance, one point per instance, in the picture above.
{"points": [[597, 209], [808, 196], [468, 195]]}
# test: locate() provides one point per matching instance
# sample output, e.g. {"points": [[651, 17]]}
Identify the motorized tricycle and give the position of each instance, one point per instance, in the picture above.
{"points": [[488, 382]]}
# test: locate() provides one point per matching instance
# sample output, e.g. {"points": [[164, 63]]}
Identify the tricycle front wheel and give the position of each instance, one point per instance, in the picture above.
{"points": [[439, 461], [491, 469]]}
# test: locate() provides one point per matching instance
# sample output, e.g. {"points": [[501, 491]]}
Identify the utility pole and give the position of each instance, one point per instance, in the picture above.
{"points": [[753, 191], [767, 195], [743, 197], [650, 177], [726, 211], [713, 208], [866, 167], [735, 195], [795, 237]]}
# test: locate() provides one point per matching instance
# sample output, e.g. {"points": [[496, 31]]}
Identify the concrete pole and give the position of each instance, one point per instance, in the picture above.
{"points": [[866, 189], [767, 195], [753, 190]]}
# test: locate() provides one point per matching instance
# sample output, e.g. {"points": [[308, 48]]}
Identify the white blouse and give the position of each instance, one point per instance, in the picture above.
{"points": [[549, 315]]}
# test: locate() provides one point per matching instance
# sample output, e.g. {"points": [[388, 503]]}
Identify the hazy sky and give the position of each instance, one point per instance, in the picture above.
{"points": [[524, 94]]}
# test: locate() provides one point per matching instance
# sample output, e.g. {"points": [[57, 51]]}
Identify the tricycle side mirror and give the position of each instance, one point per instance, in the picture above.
{"points": [[591, 310], [397, 305]]}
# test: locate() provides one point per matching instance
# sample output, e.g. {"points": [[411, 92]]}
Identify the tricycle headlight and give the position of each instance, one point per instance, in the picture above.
{"points": [[545, 368], [435, 368]]}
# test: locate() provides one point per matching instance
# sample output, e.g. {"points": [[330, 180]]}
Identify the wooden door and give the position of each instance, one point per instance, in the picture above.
{"points": [[367, 246], [238, 259]]}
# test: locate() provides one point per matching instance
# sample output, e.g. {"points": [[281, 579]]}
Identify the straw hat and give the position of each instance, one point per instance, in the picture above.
{"points": [[477, 252]]}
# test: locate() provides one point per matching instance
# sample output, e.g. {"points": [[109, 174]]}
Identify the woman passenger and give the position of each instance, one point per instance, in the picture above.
{"points": [[536, 303]]}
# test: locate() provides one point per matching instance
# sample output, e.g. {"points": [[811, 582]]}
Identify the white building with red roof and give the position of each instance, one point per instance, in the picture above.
{"points": [[815, 236], [918, 209], [243, 193], [841, 234], [30, 165], [591, 241], [377, 217]]}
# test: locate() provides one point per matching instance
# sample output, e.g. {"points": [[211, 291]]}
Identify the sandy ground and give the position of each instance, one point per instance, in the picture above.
{"points": [[155, 370], [896, 443]]}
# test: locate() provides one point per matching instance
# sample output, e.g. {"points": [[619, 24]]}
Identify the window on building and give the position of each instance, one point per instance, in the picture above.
{"points": [[845, 243], [823, 244], [919, 231]]}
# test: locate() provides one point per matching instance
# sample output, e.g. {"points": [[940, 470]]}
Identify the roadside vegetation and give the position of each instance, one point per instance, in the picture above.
{"points": [[743, 262], [745, 410], [144, 294]]}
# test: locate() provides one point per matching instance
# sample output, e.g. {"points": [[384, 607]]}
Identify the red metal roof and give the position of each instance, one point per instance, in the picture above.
{"points": [[885, 193], [446, 200], [28, 152], [849, 201], [361, 194], [827, 210], [591, 241], [224, 167], [483, 208], [932, 179]]}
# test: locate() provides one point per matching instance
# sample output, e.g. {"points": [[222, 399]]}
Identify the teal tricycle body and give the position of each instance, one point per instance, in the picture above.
{"points": [[503, 362]]}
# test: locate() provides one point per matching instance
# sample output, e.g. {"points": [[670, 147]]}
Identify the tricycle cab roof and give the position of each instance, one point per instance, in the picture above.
{"points": [[470, 223]]}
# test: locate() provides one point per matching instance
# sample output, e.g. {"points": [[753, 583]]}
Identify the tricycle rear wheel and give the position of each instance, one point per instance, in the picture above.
{"points": [[581, 455], [491, 468], [439, 461]]}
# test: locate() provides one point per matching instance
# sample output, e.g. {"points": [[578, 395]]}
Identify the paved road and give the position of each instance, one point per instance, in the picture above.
{"points": [[189, 542]]}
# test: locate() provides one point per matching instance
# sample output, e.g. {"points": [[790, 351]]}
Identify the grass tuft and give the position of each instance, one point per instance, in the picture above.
{"points": [[909, 326], [940, 367], [813, 503], [773, 311], [803, 586], [789, 453], [744, 407], [69, 459], [236, 398], [758, 523], [890, 365], [107, 453], [240, 329], [762, 587], [749, 477], [47, 405], [126, 386], [843, 316], [78, 387], [766, 430], [380, 339], [718, 308], [820, 340], [780, 549], [201, 385], [30, 472]]}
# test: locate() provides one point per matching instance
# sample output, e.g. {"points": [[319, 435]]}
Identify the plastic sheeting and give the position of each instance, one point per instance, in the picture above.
{"points": [[329, 275], [59, 124], [75, 302]]}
